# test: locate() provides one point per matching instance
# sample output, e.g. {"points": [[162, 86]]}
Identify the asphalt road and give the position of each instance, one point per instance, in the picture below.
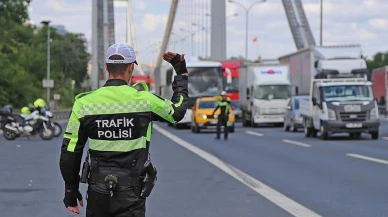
{"points": [[261, 171]]}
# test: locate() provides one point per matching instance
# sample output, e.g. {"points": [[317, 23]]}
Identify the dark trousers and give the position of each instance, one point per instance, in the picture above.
{"points": [[124, 203], [222, 121]]}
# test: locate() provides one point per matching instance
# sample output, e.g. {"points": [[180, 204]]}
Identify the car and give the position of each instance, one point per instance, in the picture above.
{"points": [[292, 118], [236, 108], [202, 117]]}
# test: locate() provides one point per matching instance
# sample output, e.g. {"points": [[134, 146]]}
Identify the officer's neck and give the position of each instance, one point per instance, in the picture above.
{"points": [[118, 77]]}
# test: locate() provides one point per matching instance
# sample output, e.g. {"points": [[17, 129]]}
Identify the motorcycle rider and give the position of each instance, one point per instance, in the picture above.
{"points": [[116, 119], [224, 106]]}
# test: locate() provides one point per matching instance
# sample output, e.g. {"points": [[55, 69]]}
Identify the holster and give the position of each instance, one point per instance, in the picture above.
{"points": [[149, 180]]}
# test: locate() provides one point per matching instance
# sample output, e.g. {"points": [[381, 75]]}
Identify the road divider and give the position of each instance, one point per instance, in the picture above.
{"points": [[271, 194], [254, 133], [376, 160], [296, 143]]}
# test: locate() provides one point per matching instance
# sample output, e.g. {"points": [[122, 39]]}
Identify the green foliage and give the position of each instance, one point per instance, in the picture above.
{"points": [[23, 58]]}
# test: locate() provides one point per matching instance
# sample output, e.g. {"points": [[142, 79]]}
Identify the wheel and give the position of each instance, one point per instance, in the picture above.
{"points": [[375, 135], [292, 127], [244, 120], [9, 134], [57, 129], [324, 134], [231, 129], [286, 127], [46, 134], [252, 122]]}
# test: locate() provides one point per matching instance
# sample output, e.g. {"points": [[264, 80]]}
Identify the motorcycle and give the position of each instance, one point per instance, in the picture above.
{"points": [[27, 125], [47, 113]]}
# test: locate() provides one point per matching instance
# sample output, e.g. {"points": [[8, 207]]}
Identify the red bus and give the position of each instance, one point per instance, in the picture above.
{"points": [[230, 78], [141, 78]]}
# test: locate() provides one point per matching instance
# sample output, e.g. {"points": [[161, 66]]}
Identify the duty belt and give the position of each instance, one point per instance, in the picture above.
{"points": [[124, 179]]}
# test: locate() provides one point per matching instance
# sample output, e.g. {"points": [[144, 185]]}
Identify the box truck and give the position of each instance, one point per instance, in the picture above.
{"points": [[265, 90]]}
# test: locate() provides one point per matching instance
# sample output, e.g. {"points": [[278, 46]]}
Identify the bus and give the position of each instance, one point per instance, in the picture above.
{"points": [[205, 79], [230, 78]]}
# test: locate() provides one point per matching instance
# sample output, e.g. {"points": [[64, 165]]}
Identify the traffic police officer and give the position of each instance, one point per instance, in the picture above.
{"points": [[224, 106], [116, 121]]}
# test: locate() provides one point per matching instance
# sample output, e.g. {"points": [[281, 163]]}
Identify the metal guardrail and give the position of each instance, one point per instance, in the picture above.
{"points": [[61, 114]]}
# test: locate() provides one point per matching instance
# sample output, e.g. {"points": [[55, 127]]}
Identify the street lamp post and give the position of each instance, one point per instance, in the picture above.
{"points": [[47, 23], [320, 39], [246, 22]]}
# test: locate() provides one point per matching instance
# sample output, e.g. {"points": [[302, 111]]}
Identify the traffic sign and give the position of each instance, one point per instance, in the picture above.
{"points": [[48, 83]]}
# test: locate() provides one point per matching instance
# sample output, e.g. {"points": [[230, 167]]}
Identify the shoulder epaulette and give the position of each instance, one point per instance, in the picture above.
{"points": [[82, 94]]}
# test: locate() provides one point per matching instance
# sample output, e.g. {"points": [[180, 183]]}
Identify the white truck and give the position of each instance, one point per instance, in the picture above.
{"points": [[340, 96], [265, 90]]}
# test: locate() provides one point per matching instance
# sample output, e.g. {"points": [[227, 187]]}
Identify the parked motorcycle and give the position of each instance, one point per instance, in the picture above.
{"points": [[27, 125], [47, 113]]}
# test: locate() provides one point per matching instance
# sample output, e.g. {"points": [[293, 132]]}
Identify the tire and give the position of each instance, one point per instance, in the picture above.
{"points": [[57, 129], [375, 135], [245, 123], [231, 129], [9, 134], [252, 123], [44, 136], [324, 134]]}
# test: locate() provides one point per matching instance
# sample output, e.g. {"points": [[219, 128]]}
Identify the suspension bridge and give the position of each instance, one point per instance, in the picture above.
{"points": [[198, 26]]}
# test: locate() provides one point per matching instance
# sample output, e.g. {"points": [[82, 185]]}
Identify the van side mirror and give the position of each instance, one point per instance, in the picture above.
{"points": [[314, 101]]}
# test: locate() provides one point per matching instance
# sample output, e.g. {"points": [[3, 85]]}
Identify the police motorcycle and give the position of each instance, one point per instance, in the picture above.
{"points": [[32, 124], [45, 111], [5, 112]]}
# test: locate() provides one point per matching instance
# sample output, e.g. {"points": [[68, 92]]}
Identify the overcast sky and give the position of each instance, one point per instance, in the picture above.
{"points": [[363, 22]]}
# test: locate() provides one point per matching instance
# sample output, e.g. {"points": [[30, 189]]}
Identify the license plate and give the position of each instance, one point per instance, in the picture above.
{"points": [[213, 122], [354, 125]]}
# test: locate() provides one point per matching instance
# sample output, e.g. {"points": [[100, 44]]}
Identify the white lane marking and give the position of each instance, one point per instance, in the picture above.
{"points": [[386, 138], [254, 133], [271, 194], [296, 143], [376, 160]]}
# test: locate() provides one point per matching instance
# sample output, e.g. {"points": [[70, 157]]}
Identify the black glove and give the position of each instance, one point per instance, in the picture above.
{"points": [[71, 197], [179, 66]]}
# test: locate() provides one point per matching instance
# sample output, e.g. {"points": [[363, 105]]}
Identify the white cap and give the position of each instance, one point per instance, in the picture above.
{"points": [[121, 49], [223, 93]]}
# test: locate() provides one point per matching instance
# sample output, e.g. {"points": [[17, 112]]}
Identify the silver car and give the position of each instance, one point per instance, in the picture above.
{"points": [[292, 118]]}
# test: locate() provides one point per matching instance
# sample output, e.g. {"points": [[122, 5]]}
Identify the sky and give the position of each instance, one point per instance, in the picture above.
{"points": [[363, 22]]}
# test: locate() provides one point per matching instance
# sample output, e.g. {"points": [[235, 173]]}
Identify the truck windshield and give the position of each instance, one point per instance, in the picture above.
{"points": [[347, 93], [232, 87], [269, 92], [204, 81]]}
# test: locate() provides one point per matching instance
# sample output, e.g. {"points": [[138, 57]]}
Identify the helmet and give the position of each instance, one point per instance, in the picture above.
{"points": [[39, 103], [223, 93], [25, 110]]}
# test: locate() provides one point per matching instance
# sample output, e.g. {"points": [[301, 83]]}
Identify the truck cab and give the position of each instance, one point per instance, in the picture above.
{"points": [[340, 104]]}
